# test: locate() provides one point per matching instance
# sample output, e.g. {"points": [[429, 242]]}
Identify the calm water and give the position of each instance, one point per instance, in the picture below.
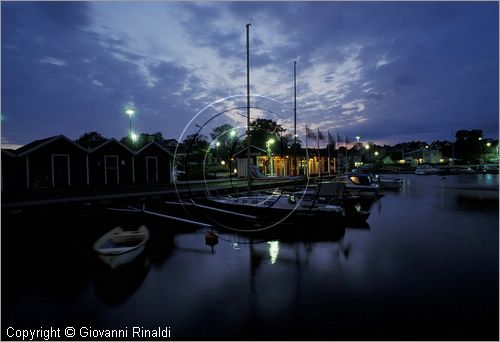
{"points": [[426, 268]]}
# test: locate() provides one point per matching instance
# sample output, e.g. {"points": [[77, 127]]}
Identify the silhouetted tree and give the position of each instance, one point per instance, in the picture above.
{"points": [[91, 139], [469, 146], [229, 142], [197, 146], [261, 130], [142, 140]]}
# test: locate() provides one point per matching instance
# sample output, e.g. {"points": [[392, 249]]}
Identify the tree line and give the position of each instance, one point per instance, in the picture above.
{"points": [[469, 147]]}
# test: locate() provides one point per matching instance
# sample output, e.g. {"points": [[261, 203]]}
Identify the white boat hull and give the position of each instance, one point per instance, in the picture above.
{"points": [[119, 247], [115, 261]]}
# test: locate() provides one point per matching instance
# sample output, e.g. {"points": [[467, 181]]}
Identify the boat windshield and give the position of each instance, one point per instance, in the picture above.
{"points": [[360, 180]]}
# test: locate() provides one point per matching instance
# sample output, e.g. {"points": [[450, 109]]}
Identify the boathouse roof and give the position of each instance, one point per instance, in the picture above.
{"points": [[109, 141], [154, 143], [35, 145]]}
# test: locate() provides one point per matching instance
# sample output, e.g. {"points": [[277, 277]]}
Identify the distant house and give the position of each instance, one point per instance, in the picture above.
{"points": [[153, 164], [387, 160], [424, 155], [55, 162], [242, 161], [111, 163]]}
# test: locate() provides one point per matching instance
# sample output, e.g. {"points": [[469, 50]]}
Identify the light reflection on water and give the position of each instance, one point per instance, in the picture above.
{"points": [[425, 268]]}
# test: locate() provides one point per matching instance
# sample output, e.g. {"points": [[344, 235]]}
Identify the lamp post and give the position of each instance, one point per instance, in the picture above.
{"points": [[268, 144], [487, 152], [217, 144], [130, 112]]}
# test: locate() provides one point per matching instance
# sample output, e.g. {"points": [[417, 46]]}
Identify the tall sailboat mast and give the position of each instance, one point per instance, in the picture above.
{"points": [[249, 176], [295, 116]]}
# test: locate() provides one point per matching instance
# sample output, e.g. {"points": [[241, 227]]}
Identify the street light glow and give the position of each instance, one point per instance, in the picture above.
{"points": [[367, 147], [217, 143], [488, 144], [130, 112], [232, 133], [133, 136], [270, 141]]}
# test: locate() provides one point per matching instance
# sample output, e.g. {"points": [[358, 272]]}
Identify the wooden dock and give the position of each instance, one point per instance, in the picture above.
{"points": [[98, 199]]}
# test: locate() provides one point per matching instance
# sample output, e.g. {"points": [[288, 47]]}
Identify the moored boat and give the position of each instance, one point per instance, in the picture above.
{"points": [[118, 247], [334, 193], [278, 206], [426, 170], [362, 185]]}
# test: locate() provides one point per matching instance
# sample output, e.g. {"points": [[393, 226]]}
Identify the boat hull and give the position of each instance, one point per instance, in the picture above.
{"points": [[119, 247], [252, 218], [117, 260]]}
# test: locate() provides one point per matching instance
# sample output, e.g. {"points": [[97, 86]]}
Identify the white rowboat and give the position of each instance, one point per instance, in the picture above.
{"points": [[118, 246]]}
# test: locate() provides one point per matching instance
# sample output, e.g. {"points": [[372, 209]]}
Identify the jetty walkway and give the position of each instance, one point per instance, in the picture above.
{"points": [[66, 201]]}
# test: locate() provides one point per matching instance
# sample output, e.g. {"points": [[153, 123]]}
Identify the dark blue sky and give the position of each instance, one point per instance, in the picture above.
{"points": [[385, 71]]}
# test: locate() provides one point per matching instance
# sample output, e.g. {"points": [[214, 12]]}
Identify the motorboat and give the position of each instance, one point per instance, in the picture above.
{"points": [[490, 168], [361, 184], [386, 183], [118, 246], [426, 170]]}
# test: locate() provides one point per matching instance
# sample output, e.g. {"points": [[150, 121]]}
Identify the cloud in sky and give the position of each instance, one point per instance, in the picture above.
{"points": [[386, 71]]}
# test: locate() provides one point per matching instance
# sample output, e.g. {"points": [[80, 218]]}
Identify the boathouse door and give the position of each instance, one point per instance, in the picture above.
{"points": [[111, 170], [60, 170], [151, 170]]}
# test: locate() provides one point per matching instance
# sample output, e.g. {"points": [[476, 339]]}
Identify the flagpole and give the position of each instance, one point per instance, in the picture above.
{"points": [[319, 157], [329, 142], [296, 166], [307, 155], [346, 160], [249, 173]]}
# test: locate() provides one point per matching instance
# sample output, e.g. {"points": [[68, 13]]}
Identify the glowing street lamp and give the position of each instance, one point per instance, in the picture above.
{"points": [[232, 134], [133, 136]]}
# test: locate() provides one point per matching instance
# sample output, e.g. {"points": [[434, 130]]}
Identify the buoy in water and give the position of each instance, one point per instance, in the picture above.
{"points": [[211, 239]]}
